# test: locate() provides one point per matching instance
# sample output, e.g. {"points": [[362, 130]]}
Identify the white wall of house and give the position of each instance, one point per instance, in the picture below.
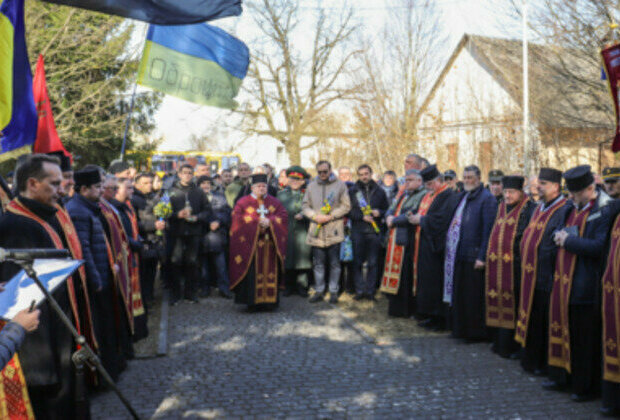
{"points": [[470, 107]]}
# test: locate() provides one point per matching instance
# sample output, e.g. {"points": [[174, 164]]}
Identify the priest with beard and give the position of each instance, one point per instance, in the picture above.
{"points": [[466, 247], [257, 247], [503, 272], [538, 252], [30, 222], [397, 280], [432, 221]]}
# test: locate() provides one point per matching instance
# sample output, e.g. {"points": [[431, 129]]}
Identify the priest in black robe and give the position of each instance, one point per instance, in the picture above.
{"points": [[433, 219], [46, 353]]}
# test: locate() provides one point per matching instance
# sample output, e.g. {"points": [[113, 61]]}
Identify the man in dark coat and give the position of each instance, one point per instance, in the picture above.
{"points": [[433, 219], [86, 216], [46, 353], [298, 262], [538, 254], [397, 281], [368, 205], [466, 248], [574, 308], [215, 241], [190, 214], [144, 201]]}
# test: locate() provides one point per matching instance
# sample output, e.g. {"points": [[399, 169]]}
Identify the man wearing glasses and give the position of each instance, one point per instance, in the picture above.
{"points": [[326, 203]]}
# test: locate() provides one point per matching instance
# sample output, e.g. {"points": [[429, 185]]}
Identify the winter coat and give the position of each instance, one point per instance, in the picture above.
{"points": [[589, 249], [217, 240], [476, 223], [377, 200], [333, 232], [199, 204], [86, 217], [298, 252], [11, 338], [144, 205], [405, 231]]}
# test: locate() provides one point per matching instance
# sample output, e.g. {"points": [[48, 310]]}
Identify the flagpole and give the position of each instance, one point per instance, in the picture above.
{"points": [[132, 103], [527, 155]]}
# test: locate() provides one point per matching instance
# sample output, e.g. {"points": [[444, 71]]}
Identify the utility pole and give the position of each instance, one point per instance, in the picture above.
{"points": [[528, 156]]}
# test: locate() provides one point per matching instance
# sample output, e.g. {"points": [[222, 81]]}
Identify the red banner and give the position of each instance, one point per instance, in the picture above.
{"points": [[611, 64], [47, 136]]}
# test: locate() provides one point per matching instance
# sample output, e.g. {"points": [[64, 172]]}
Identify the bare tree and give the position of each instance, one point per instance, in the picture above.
{"points": [[397, 70], [292, 91]]}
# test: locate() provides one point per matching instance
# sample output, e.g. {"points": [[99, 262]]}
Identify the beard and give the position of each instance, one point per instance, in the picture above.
{"points": [[469, 188]]}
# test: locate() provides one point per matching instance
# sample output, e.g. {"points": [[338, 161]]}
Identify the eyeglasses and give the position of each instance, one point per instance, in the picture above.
{"points": [[111, 188], [323, 172]]}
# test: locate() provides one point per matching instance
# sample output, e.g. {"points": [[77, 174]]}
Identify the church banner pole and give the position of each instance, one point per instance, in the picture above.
{"points": [[527, 155]]}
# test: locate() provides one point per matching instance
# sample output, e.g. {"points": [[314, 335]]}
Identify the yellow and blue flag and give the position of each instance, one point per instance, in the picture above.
{"points": [[199, 63], [18, 114]]}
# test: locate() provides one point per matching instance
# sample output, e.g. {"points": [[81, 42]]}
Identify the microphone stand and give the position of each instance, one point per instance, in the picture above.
{"points": [[85, 355]]}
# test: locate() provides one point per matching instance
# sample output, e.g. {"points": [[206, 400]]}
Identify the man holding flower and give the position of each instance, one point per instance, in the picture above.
{"points": [[326, 203]]}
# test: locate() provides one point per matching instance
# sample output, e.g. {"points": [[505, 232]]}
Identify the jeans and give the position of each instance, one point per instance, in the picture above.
{"points": [[366, 248], [215, 263], [321, 257]]}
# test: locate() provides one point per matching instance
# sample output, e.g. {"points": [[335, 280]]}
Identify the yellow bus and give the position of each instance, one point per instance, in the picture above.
{"points": [[163, 162]]}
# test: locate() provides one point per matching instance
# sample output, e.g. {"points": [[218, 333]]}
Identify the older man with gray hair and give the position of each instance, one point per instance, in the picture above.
{"points": [[397, 280]]}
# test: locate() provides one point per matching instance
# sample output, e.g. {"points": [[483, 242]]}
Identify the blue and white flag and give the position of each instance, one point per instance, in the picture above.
{"points": [[21, 290]]}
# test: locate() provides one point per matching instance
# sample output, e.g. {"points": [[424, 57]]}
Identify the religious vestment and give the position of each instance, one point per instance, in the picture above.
{"points": [[574, 311], [464, 285], [436, 209], [397, 279], [122, 293], [45, 355], [611, 316], [503, 273], [298, 253], [256, 255], [538, 252]]}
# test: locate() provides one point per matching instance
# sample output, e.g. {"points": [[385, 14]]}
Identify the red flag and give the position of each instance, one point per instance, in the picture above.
{"points": [[611, 63], [47, 137]]}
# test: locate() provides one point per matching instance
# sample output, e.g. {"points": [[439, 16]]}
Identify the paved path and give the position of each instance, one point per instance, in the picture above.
{"points": [[307, 361]]}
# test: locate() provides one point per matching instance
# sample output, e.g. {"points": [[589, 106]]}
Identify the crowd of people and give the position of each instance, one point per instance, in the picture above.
{"points": [[530, 265]]}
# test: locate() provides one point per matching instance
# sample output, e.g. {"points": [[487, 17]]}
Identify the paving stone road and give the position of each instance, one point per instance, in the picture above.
{"points": [[307, 361]]}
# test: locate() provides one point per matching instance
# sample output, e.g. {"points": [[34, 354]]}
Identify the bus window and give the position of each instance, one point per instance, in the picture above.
{"points": [[214, 166]]}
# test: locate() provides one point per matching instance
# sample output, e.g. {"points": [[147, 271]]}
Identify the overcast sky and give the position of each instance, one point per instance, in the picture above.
{"points": [[177, 119]]}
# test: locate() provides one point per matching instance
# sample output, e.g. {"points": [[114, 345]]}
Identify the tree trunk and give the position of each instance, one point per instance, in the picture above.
{"points": [[293, 150]]}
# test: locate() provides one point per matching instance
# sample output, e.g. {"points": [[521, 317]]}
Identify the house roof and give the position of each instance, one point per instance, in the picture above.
{"points": [[565, 86]]}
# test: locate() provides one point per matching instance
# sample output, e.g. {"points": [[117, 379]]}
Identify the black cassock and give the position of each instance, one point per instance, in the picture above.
{"points": [[45, 354], [434, 226]]}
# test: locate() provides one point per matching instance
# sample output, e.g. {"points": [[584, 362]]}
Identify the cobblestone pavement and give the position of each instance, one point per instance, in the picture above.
{"points": [[307, 361]]}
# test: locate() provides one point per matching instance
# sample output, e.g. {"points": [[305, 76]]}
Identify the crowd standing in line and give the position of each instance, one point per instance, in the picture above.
{"points": [[529, 265]]}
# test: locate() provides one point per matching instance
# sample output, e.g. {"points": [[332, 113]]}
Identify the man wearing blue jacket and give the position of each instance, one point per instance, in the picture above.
{"points": [[466, 249], [574, 308]]}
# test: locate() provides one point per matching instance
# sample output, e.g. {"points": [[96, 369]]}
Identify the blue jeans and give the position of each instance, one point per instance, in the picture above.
{"points": [[366, 248], [216, 261], [321, 257]]}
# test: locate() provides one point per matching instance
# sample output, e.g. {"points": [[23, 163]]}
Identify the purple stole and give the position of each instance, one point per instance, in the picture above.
{"points": [[559, 331], [452, 244], [499, 289], [532, 236], [611, 308]]}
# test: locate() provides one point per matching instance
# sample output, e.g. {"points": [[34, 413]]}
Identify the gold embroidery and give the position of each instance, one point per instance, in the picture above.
{"points": [[238, 259], [241, 238], [555, 327], [272, 209], [611, 344], [278, 220], [492, 293], [250, 210], [510, 221], [247, 219], [261, 244], [492, 256], [507, 258], [507, 295], [529, 268]]}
